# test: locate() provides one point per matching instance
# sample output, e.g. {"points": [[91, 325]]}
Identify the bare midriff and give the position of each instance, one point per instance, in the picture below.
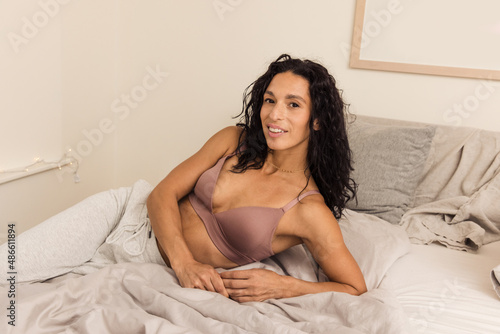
{"points": [[197, 239]]}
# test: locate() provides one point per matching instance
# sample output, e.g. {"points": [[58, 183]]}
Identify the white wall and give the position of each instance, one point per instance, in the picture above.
{"points": [[30, 85], [124, 124]]}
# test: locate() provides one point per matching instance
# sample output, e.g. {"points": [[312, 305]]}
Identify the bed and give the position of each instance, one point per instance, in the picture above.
{"points": [[449, 206], [425, 232], [444, 291]]}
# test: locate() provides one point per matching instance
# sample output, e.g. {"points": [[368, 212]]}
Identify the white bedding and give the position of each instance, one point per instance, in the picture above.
{"points": [[430, 290], [146, 298], [447, 291]]}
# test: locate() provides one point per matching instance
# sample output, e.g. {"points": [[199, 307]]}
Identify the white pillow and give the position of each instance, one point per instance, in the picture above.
{"points": [[374, 243]]}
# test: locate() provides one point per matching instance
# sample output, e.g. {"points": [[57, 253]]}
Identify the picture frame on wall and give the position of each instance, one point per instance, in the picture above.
{"points": [[437, 37]]}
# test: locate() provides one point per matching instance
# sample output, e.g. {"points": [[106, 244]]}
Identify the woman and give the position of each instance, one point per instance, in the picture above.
{"points": [[279, 179]]}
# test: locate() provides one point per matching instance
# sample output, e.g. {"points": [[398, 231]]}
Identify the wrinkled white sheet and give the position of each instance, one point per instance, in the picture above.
{"points": [[447, 292]]}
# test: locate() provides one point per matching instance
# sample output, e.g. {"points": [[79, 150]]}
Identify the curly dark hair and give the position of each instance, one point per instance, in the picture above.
{"points": [[329, 155]]}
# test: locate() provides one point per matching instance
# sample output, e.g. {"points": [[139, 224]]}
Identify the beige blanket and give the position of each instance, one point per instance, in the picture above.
{"points": [[146, 298], [458, 201]]}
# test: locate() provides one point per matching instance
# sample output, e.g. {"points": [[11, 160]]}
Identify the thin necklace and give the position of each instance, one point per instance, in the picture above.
{"points": [[286, 170]]}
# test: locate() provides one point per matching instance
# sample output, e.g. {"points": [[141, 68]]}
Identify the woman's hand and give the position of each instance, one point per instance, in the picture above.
{"points": [[253, 285], [200, 276]]}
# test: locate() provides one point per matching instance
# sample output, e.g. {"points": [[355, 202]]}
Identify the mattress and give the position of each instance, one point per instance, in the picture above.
{"points": [[447, 291]]}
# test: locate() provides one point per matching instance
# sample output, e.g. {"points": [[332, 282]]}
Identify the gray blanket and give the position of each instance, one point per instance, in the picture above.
{"points": [[458, 201], [146, 298]]}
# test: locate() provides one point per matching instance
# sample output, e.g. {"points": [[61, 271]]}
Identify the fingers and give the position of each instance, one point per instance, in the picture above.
{"points": [[219, 287], [211, 282], [252, 285], [235, 283], [237, 274], [203, 277], [239, 286], [246, 295]]}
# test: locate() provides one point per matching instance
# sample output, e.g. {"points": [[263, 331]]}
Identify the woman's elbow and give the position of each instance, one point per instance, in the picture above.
{"points": [[153, 200], [356, 289], [359, 289]]}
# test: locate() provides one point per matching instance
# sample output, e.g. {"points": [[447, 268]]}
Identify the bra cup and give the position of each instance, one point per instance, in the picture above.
{"points": [[244, 234], [250, 230], [205, 186]]}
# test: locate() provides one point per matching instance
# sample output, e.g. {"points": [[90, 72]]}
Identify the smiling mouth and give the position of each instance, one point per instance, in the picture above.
{"points": [[274, 130]]}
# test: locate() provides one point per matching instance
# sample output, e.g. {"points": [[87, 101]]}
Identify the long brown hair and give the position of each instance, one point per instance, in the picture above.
{"points": [[329, 155]]}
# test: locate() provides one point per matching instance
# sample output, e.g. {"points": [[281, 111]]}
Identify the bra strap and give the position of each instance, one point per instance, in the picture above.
{"points": [[298, 199]]}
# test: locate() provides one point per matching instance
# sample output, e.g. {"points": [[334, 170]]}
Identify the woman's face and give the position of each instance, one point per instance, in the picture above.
{"points": [[286, 111]]}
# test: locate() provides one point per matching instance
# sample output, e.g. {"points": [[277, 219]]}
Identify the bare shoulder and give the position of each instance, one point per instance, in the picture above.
{"points": [[315, 218], [313, 206], [182, 179], [232, 131], [226, 138]]}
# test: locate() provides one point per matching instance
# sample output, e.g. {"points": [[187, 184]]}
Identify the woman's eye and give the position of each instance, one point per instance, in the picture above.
{"points": [[294, 105], [268, 100]]}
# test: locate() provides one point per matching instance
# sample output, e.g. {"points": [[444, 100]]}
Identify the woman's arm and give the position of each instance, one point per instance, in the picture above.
{"points": [[323, 238], [321, 233], [262, 284], [163, 210]]}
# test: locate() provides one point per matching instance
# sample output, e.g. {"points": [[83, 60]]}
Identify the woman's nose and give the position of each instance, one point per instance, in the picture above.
{"points": [[278, 112]]}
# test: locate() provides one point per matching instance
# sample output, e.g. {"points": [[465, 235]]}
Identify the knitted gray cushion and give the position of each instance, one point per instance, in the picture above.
{"points": [[388, 164]]}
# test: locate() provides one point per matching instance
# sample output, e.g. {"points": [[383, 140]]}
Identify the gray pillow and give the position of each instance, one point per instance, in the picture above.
{"points": [[388, 162]]}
